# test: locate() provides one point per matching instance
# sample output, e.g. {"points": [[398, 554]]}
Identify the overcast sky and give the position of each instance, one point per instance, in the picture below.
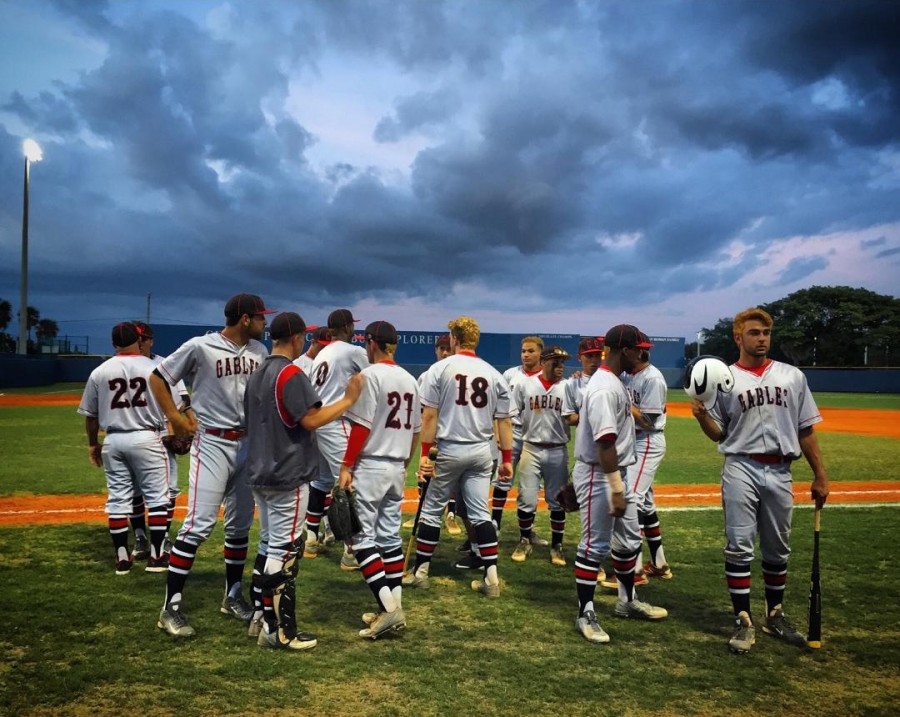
{"points": [[543, 166]]}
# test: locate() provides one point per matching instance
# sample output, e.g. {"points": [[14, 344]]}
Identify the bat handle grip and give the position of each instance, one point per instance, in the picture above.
{"points": [[817, 520]]}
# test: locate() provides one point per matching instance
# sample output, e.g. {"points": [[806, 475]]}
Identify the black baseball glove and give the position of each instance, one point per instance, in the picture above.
{"points": [[566, 498], [342, 515], [179, 445]]}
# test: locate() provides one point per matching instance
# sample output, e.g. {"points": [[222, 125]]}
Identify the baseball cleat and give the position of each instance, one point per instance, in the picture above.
{"points": [[158, 565], [328, 537], [557, 557], [480, 586], [141, 548], [537, 540], [237, 607], [779, 626], [663, 572], [590, 629], [744, 636], [469, 562], [174, 621], [348, 562], [640, 610], [385, 623], [123, 567], [313, 549], [414, 580], [522, 551], [302, 641], [610, 581], [466, 547], [256, 625], [369, 617]]}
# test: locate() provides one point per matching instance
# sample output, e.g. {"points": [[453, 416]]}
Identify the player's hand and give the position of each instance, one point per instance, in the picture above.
{"points": [[820, 490], [183, 425], [617, 504], [426, 469], [643, 422], [698, 409], [354, 387], [345, 479], [505, 472], [94, 455]]}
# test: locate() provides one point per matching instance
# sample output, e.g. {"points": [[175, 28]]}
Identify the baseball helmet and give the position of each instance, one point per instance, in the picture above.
{"points": [[704, 377]]}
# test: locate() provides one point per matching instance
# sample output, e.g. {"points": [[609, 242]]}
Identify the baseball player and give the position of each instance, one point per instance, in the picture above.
{"points": [[332, 368], [648, 389], [385, 427], [218, 366], [462, 397], [282, 410], [545, 416], [590, 354], [531, 366], [116, 399], [762, 426], [604, 448], [321, 337]]}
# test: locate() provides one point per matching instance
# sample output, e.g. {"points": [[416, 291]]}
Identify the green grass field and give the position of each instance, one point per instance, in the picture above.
{"points": [[78, 640]]}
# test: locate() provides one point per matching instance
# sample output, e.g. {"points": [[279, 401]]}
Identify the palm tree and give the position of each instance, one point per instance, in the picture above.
{"points": [[47, 329]]}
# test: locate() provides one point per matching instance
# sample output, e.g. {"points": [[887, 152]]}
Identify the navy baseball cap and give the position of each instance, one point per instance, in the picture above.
{"points": [[321, 335], [124, 334], [591, 345], [443, 341], [285, 325], [339, 318], [145, 331], [249, 304]]}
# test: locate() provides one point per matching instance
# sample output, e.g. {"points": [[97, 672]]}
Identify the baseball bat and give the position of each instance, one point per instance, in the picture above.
{"points": [[432, 454], [814, 635]]}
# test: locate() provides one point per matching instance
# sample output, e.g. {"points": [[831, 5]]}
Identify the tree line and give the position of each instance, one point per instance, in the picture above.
{"points": [[823, 326], [45, 330]]}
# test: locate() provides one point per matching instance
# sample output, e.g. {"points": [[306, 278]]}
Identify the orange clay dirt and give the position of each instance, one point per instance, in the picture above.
{"points": [[47, 509]]}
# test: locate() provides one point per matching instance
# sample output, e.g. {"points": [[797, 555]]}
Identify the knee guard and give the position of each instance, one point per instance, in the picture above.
{"points": [[282, 586]]}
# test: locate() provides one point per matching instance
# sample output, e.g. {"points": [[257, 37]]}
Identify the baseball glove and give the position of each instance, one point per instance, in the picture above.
{"points": [[342, 515], [566, 498], [179, 445]]}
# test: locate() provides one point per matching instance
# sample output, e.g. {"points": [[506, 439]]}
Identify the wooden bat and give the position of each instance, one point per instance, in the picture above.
{"points": [[432, 454], [814, 635]]}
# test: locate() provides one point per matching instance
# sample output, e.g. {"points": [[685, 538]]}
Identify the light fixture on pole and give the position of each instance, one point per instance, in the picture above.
{"points": [[32, 151]]}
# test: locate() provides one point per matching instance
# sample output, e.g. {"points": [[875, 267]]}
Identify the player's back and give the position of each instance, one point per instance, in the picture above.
{"points": [[389, 407], [468, 393], [333, 367], [118, 394]]}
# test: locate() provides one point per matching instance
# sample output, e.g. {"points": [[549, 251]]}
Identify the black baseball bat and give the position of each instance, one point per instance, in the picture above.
{"points": [[432, 454], [814, 635]]}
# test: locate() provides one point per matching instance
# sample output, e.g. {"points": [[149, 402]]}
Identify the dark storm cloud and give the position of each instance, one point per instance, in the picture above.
{"points": [[416, 112], [888, 252]]}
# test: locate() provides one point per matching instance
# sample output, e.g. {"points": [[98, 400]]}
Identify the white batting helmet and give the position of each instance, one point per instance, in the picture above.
{"points": [[704, 377]]}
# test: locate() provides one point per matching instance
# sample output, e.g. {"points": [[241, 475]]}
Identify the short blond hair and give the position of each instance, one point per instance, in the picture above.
{"points": [[754, 313], [534, 340], [465, 330]]}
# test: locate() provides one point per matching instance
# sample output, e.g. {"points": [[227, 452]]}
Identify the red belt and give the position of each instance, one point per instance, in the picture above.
{"points": [[230, 434], [770, 459]]}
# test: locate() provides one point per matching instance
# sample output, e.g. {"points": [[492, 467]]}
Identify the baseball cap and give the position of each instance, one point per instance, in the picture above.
{"points": [[591, 345], [339, 318], [285, 325], [443, 341], [381, 332], [321, 335], [623, 336], [124, 334], [555, 352], [145, 331], [250, 304]]}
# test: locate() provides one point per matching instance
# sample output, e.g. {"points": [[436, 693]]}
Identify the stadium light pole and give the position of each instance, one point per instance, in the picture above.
{"points": [[33, 153]]}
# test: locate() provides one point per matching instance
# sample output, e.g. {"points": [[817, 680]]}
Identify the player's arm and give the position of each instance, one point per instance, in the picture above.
{"points": [[706, 421], [92, 429], [809, 445], [317, 417], [505, 436], [359, 434], [609, 464], [427, 436], [644, 421], [182, 425]]}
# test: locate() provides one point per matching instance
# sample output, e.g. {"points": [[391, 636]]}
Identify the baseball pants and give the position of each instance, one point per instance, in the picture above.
{"points": [[601, 532], [378, 485]]}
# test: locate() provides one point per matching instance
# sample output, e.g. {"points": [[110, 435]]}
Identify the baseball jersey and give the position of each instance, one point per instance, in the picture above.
{"points": [[389, 407], [575, 386], [468, 394], [281, 453], [542, 408], [178, 390], [304, 363], [765, 410], [512, 376], [605, 410], [118, 396], [217, 370], [333, 367], [648, 391]]}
